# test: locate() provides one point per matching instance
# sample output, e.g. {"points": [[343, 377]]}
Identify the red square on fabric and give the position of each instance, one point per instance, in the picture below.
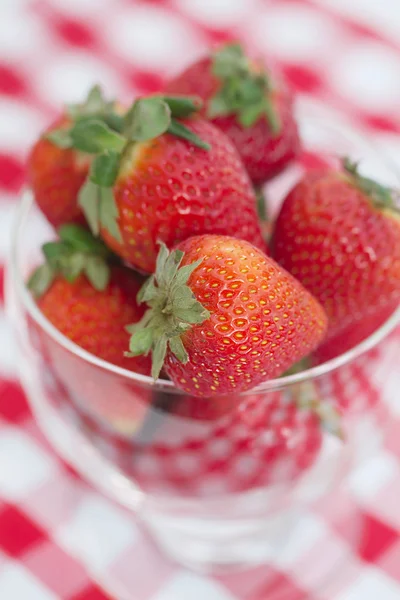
{"points": [[12, 171], [17, 532], [13, 404], [11, 83], [61, 573], [376, 538], [280, 587], [75, 33], [262, 583], [92, 593]]}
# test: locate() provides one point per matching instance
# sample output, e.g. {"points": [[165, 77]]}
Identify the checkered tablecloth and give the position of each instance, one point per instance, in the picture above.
{"points": [[59, 538]]}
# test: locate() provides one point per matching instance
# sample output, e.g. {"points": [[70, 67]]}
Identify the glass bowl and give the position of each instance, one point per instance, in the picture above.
{"points": [[217, 489]]}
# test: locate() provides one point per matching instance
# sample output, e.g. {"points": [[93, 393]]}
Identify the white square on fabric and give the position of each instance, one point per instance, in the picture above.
{"points": [[368, 479], [98, 532], [185, 585], [307, 533], [372, 585], [24, 466], [17, 583]]}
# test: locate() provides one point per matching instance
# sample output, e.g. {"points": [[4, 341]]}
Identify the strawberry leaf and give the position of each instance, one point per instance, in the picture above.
{"points": [[72, 266], [173, 309], [76, 253], [147, 119], [230, 61], [89, 200], [161, 260], [261, 204], [158, 356], [93, 136], [180, 130], [183, 106], [183, 274], [193, 313], [147, 292], [172, 264], [60, 137], [382, 197], [95, 105], [178, 349], [41, 280], [182, 299], [114, 121], [81, 239], [272, 117], [54, 251], [104, 169], [98, 202], [95, 102], [141, 341], [98, 272], [108, 212], [250, 114], [244, 92], [218, 106]]}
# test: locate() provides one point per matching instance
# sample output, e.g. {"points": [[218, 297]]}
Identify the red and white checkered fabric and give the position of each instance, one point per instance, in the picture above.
{"points": [[59, 539]]}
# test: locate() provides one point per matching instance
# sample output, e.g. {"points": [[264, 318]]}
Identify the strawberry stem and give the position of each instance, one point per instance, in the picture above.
{"points": [[76, 252], [245, 92], [381, 196]]}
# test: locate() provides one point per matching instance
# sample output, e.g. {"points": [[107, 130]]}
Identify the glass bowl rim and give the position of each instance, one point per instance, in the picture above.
{"points": [[164, 385]]}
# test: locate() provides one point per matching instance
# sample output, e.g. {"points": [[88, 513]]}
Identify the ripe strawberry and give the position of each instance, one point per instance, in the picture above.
{"points": [[87, 300], [224, 317], [56, 171], [253, 110], [163, 179], [339, 234]]}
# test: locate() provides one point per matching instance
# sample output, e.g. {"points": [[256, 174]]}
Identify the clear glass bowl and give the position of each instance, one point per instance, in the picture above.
{"points": [[215, 492]]}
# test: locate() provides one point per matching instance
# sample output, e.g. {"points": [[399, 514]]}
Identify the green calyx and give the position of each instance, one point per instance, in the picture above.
{"points": [[76, 252], [244, 92], [173, 310], [94, 107], [382, 197], [96, 135]]}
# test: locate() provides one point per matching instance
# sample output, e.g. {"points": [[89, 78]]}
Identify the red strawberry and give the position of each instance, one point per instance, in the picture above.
{"points": [[56, 171], [164, 179], [242, 100], [87, 300], [339, 234], [224, 317]]}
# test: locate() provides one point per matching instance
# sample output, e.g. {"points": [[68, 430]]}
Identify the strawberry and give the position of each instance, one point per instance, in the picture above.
{"points": [[168, 175], [246, 104], [339, 233], [86, 299], [223, 317], [56, 171]]}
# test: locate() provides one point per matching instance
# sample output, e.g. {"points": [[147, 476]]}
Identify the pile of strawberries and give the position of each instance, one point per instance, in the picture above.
{"points": [[161, 266]]}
